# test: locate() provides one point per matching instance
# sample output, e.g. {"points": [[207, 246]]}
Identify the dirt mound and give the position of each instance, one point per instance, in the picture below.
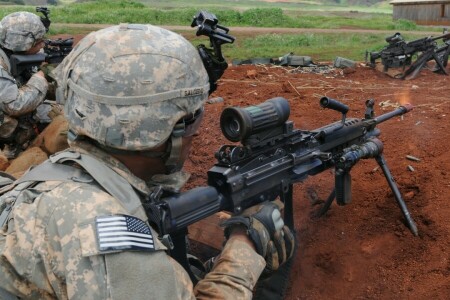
{"points": [[362, 250]]}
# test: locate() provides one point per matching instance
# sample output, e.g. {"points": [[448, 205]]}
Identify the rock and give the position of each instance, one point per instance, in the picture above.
{"points": [[4, 163], [409, 195], [30, 157], [252, 74], [54, 137]]}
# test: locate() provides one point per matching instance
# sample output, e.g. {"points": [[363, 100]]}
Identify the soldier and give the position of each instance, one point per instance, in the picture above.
{"points": [[21, 97], [75, 227]]}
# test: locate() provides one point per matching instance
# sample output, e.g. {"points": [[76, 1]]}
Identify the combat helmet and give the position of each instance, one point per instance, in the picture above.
{"points": [[20, 30], [128, 86]]}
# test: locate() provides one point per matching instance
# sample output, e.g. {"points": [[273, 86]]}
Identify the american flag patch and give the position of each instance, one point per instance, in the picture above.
{"points": [[122, 232]]}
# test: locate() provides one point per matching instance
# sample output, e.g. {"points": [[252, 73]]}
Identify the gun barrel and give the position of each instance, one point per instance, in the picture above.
{"points": [[397, 112], [444, 36]]}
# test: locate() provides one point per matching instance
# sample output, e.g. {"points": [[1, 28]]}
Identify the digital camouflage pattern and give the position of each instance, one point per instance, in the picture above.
{"points": [[15, 100], [20, 30], [126, 86], [48, 250]]}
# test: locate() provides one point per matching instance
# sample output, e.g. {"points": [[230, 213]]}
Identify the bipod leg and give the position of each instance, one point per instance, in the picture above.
{"points": [[418, 65], [327, 204], [445, 56], [439, 63], [382, 163]]}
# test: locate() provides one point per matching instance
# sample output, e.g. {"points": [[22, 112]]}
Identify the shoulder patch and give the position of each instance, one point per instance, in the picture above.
{"points": [[123, 232]]}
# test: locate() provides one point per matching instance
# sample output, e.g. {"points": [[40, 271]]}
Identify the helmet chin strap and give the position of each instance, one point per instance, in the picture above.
{"points": [[174, 163]]}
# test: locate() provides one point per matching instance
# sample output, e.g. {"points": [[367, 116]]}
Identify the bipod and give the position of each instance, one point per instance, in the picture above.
{"points": [[443, 53], [398, 197], [421, 62]]}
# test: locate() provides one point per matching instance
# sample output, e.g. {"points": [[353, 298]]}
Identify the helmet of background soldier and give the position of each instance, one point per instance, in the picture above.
{"points": [[128, 86], [20, 30]]}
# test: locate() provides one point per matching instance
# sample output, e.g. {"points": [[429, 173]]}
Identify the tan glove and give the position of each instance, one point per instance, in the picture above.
{"points": [[47, 70], [265, 227]]}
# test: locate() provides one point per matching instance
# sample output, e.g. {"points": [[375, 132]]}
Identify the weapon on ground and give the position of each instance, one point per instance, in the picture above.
{"points": [[272, 156], [213, 60], [399, 53]]}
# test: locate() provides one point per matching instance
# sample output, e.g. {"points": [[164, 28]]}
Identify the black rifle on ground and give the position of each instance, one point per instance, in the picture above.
{"points": [[399, 53], [272, 156]]}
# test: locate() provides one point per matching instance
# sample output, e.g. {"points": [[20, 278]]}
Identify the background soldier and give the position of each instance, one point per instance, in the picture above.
{"points": [[23, 33], [76, 226]]}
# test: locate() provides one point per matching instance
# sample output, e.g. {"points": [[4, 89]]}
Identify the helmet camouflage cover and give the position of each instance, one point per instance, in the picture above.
{"points": [[126, 86], [20, 30]]}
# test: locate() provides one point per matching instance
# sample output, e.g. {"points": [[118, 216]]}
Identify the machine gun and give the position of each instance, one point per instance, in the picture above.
{"points": [[392, 55], [272, 156], [399, 53], [213, 60], [54, 52]]}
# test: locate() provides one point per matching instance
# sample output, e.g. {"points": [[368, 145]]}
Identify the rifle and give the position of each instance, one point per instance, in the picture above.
{"points": [[272, 156], [399, 53], [54, 52]]}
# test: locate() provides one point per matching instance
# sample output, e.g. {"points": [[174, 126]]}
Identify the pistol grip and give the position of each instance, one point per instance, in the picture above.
{"points": [[343, 184]]}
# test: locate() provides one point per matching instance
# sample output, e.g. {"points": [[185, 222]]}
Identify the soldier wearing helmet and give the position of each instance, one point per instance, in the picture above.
{"points": [[20, 33], [76, 226]]}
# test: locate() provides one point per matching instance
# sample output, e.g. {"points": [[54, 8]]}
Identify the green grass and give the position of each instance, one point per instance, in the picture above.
{"points": [[119, 11], [173, 12], [113, 12], [321, 47], [300, 5]]}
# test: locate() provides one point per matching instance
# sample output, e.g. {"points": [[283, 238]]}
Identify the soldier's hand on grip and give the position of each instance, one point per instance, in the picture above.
{"points": [[264, 225]]}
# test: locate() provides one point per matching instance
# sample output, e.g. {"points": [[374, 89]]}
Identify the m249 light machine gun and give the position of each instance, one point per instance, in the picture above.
{"points": [[213, 60], [272, 156]]}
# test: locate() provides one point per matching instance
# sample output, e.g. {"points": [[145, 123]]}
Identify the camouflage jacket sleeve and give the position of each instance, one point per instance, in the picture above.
{"points": [[234, 275], [17, 101]]}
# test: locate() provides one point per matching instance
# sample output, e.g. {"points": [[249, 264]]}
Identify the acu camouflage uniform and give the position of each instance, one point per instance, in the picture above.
{"points": [[49, 247], [18, 32]]}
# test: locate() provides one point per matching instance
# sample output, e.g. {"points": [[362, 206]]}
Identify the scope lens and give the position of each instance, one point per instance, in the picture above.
{"points": [[235, 126], [231, 127]]}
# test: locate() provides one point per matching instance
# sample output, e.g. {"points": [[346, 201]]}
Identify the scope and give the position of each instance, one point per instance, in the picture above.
{"points": [[397, 37], [238, 124]]}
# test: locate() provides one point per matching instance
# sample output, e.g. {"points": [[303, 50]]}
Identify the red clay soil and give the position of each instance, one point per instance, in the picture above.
{"points": [[362, 250]]}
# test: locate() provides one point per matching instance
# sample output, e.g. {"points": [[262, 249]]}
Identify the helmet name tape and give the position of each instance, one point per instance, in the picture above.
{"points": [[194, 92], [135, 100]]}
